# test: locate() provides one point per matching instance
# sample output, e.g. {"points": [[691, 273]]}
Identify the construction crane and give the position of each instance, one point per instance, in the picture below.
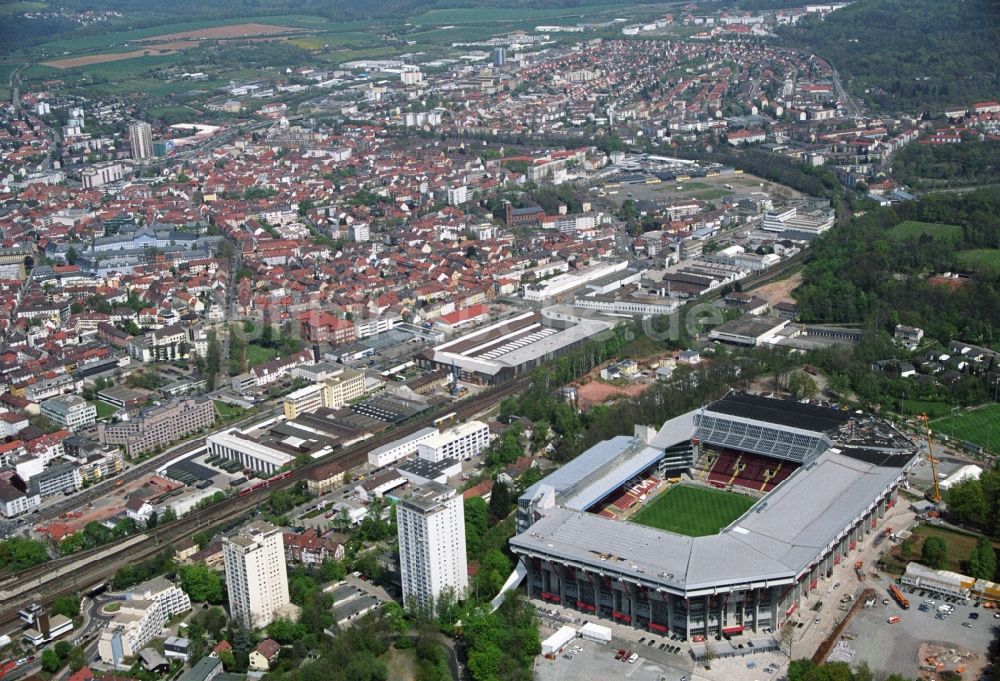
{"points": [[930, 457]]}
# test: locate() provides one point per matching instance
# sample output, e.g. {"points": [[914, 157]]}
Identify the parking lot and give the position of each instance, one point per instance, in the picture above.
{"points": [[583, 660], [893, 648]]}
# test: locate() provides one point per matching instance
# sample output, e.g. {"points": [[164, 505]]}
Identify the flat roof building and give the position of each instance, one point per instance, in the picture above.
{"points": [[431, 532], [255, 574]]}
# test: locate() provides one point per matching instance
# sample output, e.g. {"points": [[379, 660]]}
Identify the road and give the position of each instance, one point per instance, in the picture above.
{"points": [[851, 105]]}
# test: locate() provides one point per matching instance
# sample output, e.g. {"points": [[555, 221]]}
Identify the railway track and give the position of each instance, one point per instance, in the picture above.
{"points": [[69, 574]]}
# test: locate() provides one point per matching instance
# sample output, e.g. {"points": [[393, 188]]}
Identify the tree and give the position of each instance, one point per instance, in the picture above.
{"points": [[50, 661], [72, 255], [934, 553], [213, 359], [983, 561], [788, 637], [801, 385], [77, 659], [228, 660], [475, 524], [500, 501], [68, 606], [201, 584], [18, 553], [285, 631], [967, 502]]}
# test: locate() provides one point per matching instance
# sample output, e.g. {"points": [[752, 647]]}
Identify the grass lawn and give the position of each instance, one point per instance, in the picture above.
{"points": [[985, 260], [932, 409], [980, 425], [228, 411], [258, 355], [693, 511], [104, 410], [960, 547], [913, 228]]}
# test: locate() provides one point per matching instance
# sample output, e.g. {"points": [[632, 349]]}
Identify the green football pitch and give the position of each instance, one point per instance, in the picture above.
{"points": [[693, 511], [981, 426]]}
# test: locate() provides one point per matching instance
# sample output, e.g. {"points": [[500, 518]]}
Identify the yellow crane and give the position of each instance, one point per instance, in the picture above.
{"points": [[930, 457]]}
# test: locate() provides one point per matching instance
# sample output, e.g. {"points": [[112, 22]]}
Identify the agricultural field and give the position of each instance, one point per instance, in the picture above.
{"points": [[9, 8], [693, 511], [444, 17], [980, 426], [913, 229], [984, 260]]}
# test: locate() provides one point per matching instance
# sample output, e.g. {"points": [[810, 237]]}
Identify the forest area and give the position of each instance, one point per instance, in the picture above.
{"points": [[910, 55], [864, 273], [936, 166]]}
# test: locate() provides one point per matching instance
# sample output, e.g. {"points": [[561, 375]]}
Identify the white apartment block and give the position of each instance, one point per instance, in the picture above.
{"points": [[255, 574], [431, 531], [462, 442], [400, 449], [137, 623], [172, 599], [253, 455], [69, 411]]}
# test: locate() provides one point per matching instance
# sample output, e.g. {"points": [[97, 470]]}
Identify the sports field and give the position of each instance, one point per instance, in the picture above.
{"points": [[693, 511], [913, 228], [981, 426]]}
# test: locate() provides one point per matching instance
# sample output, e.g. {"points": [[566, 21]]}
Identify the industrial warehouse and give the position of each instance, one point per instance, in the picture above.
{"points": [[500, 351], [802, 484]]}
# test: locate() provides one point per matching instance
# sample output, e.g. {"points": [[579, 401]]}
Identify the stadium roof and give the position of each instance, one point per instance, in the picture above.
{"points": [[773, 542], [780, 412]]}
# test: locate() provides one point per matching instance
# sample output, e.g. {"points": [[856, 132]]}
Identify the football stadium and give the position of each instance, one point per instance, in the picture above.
{"points": [[720, 522]]}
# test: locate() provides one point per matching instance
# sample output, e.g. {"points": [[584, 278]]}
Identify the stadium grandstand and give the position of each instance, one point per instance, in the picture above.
{"points": [[816, 480]]}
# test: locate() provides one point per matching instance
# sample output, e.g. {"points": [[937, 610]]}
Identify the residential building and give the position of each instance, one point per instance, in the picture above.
{"points": [[325, 478], [14, 502], [158, 426], [56, 479], [140, 136], [135, 624], [431, 532], [172, 599], [462, 442], [205, 669], [264, 654], [310, 548], [161, 345], [69, 411], [909, 336], [255, 574]]}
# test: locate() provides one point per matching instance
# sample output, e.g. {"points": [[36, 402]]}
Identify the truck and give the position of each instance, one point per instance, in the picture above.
{"points": [[857, 569], [897, 594]]}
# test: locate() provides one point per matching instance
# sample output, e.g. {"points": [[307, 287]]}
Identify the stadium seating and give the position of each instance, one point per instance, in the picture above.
{"points": [[750, 471], [722, 470]]}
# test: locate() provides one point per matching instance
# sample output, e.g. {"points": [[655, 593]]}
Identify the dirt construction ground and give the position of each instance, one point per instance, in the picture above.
{"points": [[780, 291]]}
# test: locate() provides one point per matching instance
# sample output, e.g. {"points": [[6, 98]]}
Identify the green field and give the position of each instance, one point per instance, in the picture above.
{"points": [[932, 409], [913, 229], [9, 8], [693, 511], [477, 15], [985, 260], [981, 426], [258, 355], [228, 412], [104, 410]]}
